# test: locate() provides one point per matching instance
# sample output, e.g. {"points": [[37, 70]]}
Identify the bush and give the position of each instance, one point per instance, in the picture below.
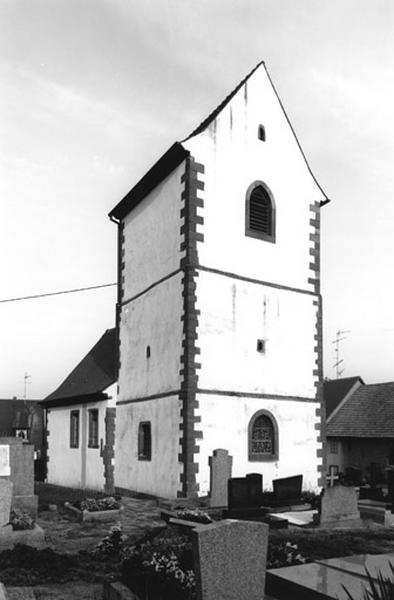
{"points": [[284, 555], [96, 504], [21, 520], [112, 546], [161, 567], [197, 516]]}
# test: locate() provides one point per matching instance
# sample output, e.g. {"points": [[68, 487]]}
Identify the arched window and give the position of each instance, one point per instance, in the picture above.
{"points": [[263, 437], [260, 212], [144, 441]]}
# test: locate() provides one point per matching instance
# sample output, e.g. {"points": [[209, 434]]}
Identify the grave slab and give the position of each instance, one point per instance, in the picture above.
{"points": [[299, 518], [314, 582], [357, 564], [230, 560]]}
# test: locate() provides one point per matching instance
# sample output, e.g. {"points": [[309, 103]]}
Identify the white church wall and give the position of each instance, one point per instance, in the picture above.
{"points": [[161, 475], [234, 158], [151, 251], [82, 466], [234, 315], [151, 320], [65, 463], [225, 420]]}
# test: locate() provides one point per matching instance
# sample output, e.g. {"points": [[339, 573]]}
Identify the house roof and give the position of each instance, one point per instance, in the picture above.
{"points": [[91, 377], [368, 412], [335, 391], [177, 153]]}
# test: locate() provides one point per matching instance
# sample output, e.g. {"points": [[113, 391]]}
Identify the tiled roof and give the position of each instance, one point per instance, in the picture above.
{"points": [[334, 391], [368, 412], [94, 374]]}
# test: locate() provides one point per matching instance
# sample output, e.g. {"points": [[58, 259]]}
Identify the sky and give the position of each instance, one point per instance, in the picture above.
{"points": [[92, 92]]}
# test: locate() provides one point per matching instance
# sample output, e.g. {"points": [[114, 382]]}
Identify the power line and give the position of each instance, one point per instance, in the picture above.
{"points": [[84, 289]]}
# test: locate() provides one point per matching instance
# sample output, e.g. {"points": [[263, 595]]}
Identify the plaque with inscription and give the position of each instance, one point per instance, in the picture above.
{"points": [[5, 468]]}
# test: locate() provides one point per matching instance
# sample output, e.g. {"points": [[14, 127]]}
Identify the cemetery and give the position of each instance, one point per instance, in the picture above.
{"points": [[240, 541]]}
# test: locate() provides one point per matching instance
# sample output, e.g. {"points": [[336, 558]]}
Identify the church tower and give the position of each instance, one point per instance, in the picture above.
{"points": [[219, 306]]}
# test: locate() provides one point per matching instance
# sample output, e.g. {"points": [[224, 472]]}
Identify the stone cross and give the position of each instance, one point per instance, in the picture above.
{"points": [[220, 472], [333, 476], [230, 560]]}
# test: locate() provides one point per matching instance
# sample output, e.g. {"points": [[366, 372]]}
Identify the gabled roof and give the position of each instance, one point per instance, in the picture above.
{"points": [[177, 153], [368, 413], [94, 374], [335, 391]]}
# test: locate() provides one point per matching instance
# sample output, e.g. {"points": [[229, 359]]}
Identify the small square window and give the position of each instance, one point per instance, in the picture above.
{"points": [[334, 446], [93, 428]]}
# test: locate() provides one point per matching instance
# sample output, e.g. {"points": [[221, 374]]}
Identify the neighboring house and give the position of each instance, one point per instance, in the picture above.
{"points": [[25, 419], [219, 305], [81, 421], [360, 426]]}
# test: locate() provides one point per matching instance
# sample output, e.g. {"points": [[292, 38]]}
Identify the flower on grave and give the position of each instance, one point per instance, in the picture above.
{"points": [[21, 520]]}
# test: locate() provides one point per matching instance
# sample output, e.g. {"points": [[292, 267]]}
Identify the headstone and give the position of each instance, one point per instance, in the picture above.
{"points": [[339, 504], [390, 484], [220, 464], [287, 490], [21, 473], [230, 560], [238, 492], [354, 476], [370, 493], [376, 474], [255, 487], [5, 501]]}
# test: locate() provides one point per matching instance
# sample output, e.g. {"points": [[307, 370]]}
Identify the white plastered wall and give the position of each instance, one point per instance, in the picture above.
{"points": [[161, 475], [152, 236], [234, 158], [82, 466], [234, 315], [224, 421], [154, 320]]}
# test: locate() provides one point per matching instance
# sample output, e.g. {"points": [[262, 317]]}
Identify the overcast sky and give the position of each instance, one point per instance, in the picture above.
{"points": [[93, 91]]}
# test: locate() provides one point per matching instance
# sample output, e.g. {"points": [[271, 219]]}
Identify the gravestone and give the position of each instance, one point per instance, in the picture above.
{"points": [[390, 484], [220, 464], [287, 490], [21, 474], [255, 487], [5, 501], [238, 493], [376, 474], [230, 560], [353, 475], [339, 507], [370, 493]]}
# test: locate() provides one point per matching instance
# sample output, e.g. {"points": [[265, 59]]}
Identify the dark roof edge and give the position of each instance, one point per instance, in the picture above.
{"points": [[72, 400], [357, 384], [160, 170], [326, 198], [220, 107]]}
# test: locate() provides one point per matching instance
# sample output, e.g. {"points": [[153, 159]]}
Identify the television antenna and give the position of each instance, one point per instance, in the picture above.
{"points": [[339, 337]]}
